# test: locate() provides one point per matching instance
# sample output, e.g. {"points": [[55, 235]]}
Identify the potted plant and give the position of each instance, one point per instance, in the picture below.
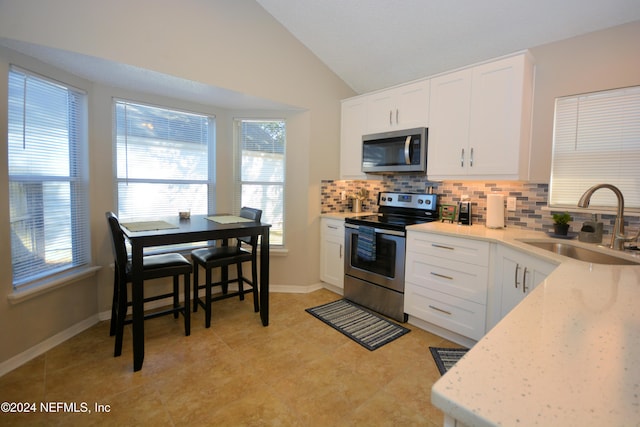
{"points": [[561, 223]]}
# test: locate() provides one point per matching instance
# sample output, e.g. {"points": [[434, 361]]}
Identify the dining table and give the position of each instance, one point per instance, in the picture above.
{"points": [[176, 230]]}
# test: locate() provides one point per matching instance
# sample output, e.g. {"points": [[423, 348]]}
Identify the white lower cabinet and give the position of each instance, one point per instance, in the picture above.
{"points": [[446, 281], [332, 251], [516, 275]]}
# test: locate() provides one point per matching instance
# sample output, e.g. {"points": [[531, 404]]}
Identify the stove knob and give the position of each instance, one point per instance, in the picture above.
{"points": [[420, 201], [390, 199]]}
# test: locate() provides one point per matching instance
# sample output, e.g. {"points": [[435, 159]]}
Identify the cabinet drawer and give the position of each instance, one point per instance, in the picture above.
{"points": [[332, 227], [455, 314], [455, 278], [468, 251]]}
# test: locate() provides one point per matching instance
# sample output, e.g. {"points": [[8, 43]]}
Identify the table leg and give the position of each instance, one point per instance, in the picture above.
{"points": [[137, 296], [264, 277]]}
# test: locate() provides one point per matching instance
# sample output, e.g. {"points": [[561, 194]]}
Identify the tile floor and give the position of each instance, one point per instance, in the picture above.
{"points": [[295, 372]]}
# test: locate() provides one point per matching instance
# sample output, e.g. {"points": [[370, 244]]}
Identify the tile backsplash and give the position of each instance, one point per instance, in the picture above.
{"points": [[530, 199]]}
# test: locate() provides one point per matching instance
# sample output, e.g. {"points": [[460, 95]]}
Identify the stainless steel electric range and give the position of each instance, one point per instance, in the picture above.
{"points": [[375, 251]]}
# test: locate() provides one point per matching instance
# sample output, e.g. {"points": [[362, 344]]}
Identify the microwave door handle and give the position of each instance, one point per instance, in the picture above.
{"points": [[407, 150]]}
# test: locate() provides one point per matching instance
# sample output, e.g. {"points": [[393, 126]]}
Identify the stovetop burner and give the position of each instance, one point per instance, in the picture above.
{"points": [[396, 211]]}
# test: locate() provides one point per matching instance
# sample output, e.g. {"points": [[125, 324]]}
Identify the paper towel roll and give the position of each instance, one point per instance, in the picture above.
{"points": [[495, 211]]}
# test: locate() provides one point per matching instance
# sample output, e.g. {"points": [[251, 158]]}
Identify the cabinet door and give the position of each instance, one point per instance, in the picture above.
{"points": [[459, 315], [332, 252], [519, 274], [496, 120], [402, 107], [381, 111], [412, 103], [459, 279], [449, 124], [353, 124], [468, 251]]}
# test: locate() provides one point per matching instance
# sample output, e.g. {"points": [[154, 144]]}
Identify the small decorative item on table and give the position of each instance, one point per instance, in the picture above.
{"points": [[184, 214]]}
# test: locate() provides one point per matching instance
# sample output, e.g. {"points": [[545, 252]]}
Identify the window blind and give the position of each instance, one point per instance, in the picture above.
{"points": [[48, 197], [261, 171], [164, 161], [597, 140]]}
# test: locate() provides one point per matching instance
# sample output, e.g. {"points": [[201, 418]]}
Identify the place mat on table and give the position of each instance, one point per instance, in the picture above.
{"points": [[148, 225], [228, 219]]}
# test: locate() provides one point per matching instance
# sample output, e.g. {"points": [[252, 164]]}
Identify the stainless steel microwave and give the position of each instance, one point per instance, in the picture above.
{"points": [[396, 151]]}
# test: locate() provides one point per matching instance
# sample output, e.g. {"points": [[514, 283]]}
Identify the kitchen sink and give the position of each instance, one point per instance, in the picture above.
{"points": [[580, 253]]}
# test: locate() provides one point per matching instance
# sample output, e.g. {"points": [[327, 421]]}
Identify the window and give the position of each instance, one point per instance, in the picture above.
{"points": [[597, 140], [260, 171], [164, 161], [47, 154]]}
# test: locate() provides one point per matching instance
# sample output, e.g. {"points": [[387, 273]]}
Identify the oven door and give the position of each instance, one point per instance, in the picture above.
{"points": [[386, 268]]}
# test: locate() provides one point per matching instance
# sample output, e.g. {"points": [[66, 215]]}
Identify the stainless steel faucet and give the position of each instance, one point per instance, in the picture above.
{"points": [[617, 237]]}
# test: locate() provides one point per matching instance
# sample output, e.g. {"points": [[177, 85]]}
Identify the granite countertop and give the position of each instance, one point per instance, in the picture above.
{"points": [[568, 355]]}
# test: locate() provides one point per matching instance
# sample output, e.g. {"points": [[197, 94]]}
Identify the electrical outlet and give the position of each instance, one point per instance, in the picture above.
{"points": [[343, 196], [511, 204]]}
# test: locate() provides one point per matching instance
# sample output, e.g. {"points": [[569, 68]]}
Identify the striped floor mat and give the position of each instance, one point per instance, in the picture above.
{"points": [[445, 358], [364, 327]]}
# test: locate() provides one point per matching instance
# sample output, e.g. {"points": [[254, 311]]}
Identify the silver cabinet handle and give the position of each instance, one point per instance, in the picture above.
{"points": [[390, 118], [515, 278], [441, 275], [442, 247], [524, 281], [471, 158], [440, 310], [397, 114], [462, 158], [333, 227], [340, 251]]}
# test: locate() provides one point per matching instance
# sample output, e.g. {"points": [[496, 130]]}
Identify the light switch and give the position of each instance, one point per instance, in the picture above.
{"points": [[511, 204]]}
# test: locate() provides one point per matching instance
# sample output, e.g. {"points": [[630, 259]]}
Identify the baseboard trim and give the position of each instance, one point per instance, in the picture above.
{"points": [[46, 345]]}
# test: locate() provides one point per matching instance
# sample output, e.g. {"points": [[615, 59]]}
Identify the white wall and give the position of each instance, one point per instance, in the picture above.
{"points": [[596, 61]]}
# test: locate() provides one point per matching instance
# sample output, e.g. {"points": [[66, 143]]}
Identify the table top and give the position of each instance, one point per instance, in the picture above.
{"points": [[198, 227]]}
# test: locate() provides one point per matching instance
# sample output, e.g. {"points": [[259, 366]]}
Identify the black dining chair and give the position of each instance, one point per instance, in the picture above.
{"points": [[224, 256], [154, 267]]}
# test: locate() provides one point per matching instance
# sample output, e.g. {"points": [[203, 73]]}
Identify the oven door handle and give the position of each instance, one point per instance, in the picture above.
{"points": [[378, 230]]}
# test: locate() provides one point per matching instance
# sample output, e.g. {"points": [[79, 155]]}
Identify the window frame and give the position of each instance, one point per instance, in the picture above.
{"points": [[77, 178], [583, 124], [210, 181], [276, 233]]}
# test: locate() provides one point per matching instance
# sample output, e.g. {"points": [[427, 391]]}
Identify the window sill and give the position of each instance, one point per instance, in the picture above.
{"points": [[50, 284], [628, 212]]}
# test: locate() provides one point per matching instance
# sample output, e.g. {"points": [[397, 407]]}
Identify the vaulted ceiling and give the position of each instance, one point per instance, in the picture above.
{"points": [[372, 44]]}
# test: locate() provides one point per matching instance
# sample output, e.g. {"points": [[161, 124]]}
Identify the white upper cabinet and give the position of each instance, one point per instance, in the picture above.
{"points": [[449, 131], [352, 127], [402, 107], [480, 124]]}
